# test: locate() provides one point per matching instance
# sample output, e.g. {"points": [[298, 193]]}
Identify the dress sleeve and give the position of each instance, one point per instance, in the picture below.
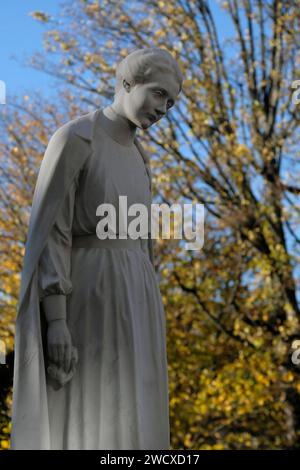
{"points": [[55, 260]]}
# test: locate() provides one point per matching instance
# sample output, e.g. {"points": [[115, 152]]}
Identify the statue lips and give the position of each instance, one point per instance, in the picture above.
{"points": [[151, 117]]}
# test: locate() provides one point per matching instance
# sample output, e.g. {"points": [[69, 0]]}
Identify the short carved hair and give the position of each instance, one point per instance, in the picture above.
{"points": [[140, 67]]}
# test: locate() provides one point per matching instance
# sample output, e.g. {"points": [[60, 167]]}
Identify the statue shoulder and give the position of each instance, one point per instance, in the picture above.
{"points": [[78, 128]]}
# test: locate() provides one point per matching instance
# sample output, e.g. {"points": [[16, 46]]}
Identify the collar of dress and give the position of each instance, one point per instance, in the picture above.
{"points": [[84, 128]]}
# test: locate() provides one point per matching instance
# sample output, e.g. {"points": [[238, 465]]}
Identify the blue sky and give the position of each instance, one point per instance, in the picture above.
{"points": [[21, 36]]}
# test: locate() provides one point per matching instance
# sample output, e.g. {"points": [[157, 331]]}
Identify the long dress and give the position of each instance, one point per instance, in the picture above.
{"points": [[118, 398]]}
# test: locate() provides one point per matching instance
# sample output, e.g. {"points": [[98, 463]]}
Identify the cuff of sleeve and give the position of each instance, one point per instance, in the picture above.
{"points": [[55, 307]]}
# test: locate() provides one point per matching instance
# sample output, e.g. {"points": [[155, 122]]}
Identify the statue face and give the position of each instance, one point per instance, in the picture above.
{"points": [[145, 104]]}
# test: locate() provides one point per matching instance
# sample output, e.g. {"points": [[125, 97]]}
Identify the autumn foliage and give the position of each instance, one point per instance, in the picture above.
{"points": [[230, 143]]}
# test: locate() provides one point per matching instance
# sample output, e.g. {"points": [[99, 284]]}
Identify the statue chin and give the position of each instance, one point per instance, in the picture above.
{"points": [[145, 123]]}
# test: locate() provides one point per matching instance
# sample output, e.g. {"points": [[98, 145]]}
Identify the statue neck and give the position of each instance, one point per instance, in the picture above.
{"points": [[118, 127]]}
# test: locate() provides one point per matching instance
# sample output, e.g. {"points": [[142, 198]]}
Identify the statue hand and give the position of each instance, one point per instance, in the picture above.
{"points": [[59, 344]]}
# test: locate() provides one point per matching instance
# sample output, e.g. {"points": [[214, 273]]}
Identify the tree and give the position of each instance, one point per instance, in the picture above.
{"points": [[230, 143]]}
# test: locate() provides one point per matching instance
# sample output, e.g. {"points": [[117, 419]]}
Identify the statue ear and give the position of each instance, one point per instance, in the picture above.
{"points": [[126, 85]]}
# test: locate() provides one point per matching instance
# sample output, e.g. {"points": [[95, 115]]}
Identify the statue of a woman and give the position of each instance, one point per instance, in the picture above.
{"points": [[90, 344]]}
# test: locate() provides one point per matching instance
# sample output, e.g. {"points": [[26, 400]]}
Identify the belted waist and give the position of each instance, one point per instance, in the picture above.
{"points": [[92, 241]]}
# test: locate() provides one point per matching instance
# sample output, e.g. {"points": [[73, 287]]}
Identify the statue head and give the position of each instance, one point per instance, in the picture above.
{"points": [[148, 82]]}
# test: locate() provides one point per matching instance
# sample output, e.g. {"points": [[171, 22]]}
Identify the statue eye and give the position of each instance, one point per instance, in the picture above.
{"points": [[161, 93]]}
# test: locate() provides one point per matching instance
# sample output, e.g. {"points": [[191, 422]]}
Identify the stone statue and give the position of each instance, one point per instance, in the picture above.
{"points": [[90, 344]]}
